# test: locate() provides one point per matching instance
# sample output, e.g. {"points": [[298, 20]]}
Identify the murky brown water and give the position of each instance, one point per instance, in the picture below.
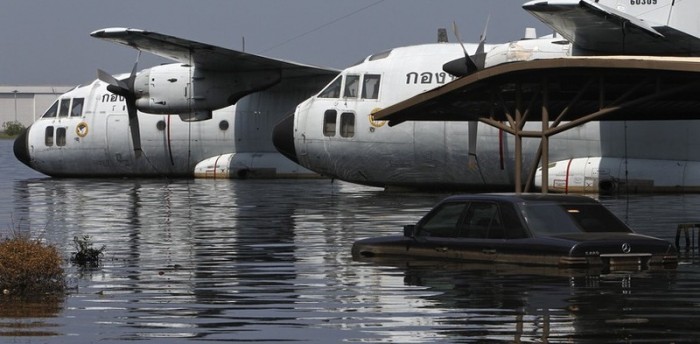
{"points": [[269, 261]]}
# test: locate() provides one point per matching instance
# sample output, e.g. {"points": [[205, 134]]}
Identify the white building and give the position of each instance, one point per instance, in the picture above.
{"points": [[27, 103]]}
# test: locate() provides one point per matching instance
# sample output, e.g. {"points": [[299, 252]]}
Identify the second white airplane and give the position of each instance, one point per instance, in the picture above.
{"points": [[335, 134]]}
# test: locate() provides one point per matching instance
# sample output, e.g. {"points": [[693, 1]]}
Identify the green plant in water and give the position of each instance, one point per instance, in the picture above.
{"points": [[87, 256]]}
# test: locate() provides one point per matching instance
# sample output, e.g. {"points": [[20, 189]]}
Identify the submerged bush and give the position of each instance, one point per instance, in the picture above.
{"points": [[28, 267], [87, 256]]}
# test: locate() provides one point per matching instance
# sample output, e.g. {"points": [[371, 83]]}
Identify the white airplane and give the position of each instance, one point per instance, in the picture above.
{"points": [[173, 120], [335, 134]]}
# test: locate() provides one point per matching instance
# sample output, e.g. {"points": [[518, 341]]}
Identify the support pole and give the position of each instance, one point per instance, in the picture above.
{"points": [[518, 140], [545, 138]]}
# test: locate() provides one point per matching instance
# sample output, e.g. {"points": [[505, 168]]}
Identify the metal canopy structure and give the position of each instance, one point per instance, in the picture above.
{"points": [[561, 93]]}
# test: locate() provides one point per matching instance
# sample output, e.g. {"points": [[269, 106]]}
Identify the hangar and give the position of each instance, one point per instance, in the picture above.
{"points": [[27, 103]]}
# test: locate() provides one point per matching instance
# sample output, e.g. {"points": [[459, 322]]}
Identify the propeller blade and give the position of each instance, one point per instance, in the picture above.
{"points": [[134, 127], [480, 55], [111, 80], [473, 128], [471, 66], [125, 88], [132, 76]]}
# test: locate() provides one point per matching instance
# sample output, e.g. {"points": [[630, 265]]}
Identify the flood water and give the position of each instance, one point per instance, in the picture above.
{"points": [[269, 261]]}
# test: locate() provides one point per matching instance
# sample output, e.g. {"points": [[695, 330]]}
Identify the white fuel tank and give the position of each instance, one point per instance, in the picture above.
{"points": [[250, 165], [612, 175]]}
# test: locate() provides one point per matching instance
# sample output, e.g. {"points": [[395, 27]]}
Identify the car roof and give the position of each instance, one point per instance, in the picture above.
{"points": [[523, 197]]}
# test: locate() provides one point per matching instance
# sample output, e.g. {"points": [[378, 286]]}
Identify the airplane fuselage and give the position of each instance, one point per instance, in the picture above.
{"points": [[86, 134]]}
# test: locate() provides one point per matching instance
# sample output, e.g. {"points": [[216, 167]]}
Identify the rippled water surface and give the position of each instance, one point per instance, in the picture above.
{"points": [[269, 261]]}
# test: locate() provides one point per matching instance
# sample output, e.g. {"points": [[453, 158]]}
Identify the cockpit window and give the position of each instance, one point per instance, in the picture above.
{"points": [[51, 112], [333, 89], [64, 108], [76, 109], [370, 86], [352, 85]]}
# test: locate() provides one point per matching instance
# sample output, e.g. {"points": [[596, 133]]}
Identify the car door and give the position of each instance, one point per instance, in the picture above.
{"points": [[438, 230], [481, 232]]}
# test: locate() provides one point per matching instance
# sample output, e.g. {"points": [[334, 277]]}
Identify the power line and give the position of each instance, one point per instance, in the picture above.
{"points": [[323, 25]]}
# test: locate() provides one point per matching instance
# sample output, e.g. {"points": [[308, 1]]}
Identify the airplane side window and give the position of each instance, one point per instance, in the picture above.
{"points": [[352, 84], [347, 124], [370, 86], [48, 136], [332, 90], [60, 136], [77, 109], [329, 119], [64, 108], [51, 112]]}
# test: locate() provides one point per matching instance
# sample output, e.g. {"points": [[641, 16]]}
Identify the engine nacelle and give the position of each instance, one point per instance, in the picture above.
{"points": [[184, 89], [527, 50]]}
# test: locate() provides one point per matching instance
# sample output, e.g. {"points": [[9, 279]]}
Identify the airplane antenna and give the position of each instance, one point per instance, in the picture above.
{"points": [[243, 43], [442, 35]]}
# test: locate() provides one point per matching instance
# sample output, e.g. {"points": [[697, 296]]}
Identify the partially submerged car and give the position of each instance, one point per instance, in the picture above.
{"points": [[556, 230]]}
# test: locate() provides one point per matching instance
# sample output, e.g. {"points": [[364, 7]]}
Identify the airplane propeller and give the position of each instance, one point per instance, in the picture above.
{"points": [[125, 88], [469, 63], [465, 66]]}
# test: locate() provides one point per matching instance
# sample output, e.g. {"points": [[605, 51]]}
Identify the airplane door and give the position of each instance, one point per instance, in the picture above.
{"points": [[119, 147], [301, 119]]}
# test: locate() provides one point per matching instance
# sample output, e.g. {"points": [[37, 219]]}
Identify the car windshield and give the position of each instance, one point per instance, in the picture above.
{"points": [[548, 218]]}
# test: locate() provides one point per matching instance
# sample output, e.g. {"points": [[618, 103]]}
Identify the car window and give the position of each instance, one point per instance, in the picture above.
{"points": [[548, 218], [553, 218], [595, 218], [482, 218], [442, 222], [513, 226]]}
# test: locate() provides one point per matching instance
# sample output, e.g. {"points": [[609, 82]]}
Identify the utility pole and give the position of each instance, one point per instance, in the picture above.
{"points": [[15, 92]]}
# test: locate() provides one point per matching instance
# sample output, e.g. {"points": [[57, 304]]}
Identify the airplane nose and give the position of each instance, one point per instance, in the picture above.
{"points": [[283, 138], [21, 147]]}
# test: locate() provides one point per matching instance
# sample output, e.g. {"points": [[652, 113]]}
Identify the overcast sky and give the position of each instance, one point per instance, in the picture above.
{"points": [[48, 41]]}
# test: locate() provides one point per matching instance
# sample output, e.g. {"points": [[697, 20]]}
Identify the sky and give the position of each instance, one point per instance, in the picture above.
{"points": [[47, 42]]}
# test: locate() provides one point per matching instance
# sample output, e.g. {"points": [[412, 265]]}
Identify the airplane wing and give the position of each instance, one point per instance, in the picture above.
{"points": [[204, 55], [597, 29]]}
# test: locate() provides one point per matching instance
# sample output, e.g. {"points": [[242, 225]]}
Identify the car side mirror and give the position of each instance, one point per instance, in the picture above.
{"points": [[409, 231]]}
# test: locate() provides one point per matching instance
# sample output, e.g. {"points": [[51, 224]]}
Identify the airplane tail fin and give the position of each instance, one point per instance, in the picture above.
{"points": [[682, 15]]}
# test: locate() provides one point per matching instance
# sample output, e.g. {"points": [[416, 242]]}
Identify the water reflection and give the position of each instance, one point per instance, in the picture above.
{"points": [[29, 317], [270, 261], [513, 304]]}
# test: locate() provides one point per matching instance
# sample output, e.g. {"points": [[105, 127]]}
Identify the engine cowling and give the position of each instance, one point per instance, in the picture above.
{"points": [[187, 90]]}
